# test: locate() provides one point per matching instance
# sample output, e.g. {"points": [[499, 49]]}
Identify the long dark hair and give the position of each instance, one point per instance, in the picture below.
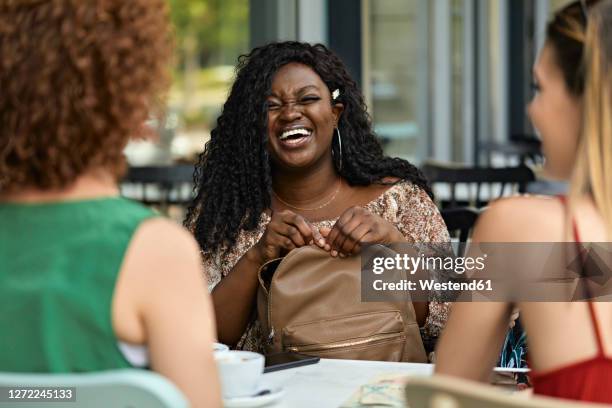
{"points": [[566, 33], [232, 178]]}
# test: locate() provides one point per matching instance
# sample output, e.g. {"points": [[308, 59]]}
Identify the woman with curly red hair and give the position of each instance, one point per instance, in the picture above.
{"points": [[90, 281]]}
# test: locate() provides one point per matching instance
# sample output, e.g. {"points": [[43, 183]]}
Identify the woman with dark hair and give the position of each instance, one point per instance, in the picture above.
{"points": [[569, 342], [293, 161], [90, 281]]}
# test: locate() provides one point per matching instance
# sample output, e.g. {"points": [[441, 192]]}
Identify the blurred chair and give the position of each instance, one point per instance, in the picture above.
{"points": [[524, 147], [449, 392], [160, 186], [460, 221], [452, 175], [125, 388]]}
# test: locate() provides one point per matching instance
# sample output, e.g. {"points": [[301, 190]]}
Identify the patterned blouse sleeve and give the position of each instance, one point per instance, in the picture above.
{"points": [[210, 260], [421, 222], [212, 269], [219, 263]]}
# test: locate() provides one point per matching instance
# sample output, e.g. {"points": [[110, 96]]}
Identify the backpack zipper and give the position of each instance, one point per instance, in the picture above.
{"points": [[271, 334], [343, 344]]}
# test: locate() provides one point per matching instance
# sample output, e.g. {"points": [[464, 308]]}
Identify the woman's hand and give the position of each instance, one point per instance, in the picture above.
{"points": [[286, 231], [357, 226]]}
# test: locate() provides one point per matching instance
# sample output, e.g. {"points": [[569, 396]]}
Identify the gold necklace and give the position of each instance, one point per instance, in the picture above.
{"points": [[325, 204]]}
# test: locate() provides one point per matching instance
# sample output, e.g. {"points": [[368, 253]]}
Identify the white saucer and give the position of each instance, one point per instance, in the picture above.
{"points": [[258, 401], [219, 347]]}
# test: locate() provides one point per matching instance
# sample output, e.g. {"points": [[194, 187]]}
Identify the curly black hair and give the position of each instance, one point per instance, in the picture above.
{"points": [[233, 180]]}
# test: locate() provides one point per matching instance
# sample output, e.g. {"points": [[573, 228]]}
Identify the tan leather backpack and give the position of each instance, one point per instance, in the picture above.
{"points": [[310, 302]]}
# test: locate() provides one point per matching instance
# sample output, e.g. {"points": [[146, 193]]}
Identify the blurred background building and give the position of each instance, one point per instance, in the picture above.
{"points": [[441, 77], [444, 80]]}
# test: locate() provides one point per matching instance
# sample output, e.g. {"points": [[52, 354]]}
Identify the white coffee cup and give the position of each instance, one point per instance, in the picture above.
{"points": [[240, 372]]}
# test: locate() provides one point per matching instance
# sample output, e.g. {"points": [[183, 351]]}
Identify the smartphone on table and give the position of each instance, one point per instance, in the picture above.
{"points": [[287, 359]]}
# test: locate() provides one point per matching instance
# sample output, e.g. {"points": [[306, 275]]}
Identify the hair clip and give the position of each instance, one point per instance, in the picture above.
{"points": [[335, 94]]}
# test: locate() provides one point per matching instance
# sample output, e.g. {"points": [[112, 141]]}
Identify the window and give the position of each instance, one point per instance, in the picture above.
{"points": [[210, 35], [397, 75], [415, 72]]}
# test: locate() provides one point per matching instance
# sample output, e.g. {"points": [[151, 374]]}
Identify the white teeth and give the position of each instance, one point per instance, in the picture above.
{"points": [[292, 132]]}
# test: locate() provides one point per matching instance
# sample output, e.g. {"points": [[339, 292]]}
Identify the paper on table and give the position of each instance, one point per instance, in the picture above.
{"points": [[383, 391], [388, 390]]}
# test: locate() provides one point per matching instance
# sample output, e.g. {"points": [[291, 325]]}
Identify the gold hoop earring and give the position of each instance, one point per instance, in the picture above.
{"points": [[339, 149]]}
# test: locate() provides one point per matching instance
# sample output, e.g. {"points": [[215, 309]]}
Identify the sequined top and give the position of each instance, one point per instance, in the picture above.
{"points": [[405, 205]]}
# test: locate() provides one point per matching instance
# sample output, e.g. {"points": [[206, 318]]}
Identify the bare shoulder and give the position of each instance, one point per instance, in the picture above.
{"points": [[163, 249], [165, 234], [529, 207], [162, 262], [368, 193], [404, 187], [522, 218]]}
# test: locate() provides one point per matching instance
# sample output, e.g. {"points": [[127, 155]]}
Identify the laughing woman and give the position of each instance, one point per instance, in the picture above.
{"points": [[294, 160]]}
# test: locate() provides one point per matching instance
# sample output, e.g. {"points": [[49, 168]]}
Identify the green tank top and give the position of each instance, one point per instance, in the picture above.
{"points": [[58, 267]]}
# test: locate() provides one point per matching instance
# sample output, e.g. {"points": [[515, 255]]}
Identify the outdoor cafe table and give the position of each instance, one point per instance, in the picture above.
{"points": [[330, 383]]}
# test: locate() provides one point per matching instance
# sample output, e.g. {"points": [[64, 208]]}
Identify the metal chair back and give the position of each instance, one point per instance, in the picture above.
{"points": [[454, 175]]}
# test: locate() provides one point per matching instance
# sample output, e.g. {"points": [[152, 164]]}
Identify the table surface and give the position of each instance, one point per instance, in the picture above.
{"points": [[330, 383]]}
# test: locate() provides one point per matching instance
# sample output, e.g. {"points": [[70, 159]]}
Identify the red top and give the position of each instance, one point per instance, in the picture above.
{"points": [[587, 380]]}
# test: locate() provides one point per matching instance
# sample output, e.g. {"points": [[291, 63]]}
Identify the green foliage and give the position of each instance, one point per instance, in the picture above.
{"points": [[210, 35], [219, 28]]}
